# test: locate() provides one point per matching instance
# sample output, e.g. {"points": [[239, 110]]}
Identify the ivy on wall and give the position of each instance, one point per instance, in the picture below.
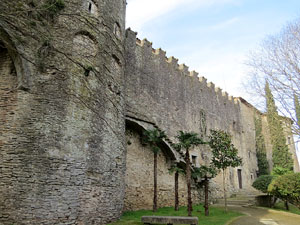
{"points": [[203, 125]]}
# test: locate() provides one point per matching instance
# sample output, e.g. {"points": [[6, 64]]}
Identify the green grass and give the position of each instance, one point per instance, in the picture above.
{"points": [[217, 215], [293, 209]]}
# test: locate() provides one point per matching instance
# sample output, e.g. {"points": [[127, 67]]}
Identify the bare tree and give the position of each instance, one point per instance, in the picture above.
{"points": [[277, 61]]}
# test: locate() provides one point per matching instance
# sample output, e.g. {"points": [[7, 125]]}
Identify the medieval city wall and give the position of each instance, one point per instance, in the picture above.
{"points": [[160, 91], [65, 154]]}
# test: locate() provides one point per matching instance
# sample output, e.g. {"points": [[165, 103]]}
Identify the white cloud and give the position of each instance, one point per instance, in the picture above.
{"points": [[225, 24], [140, 12], [226, 70]]}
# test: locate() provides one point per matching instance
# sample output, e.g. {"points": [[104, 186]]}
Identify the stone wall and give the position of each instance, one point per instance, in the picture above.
{"points": [[167, 94], [139, 177], [62, 117], [62, 156]]}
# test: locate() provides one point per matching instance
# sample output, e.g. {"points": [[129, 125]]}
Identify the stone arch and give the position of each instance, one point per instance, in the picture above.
{"points": [[139, 171], [21, 66], [85, 45], [8, 85], [140, 126], [14, 76]]}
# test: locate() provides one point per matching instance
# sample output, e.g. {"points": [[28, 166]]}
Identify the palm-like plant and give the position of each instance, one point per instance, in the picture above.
{"points": [[175, 168], [206, 172], [186, 141], [154, 138]]}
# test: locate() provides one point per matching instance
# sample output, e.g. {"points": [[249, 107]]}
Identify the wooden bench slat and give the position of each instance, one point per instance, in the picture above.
{"points": [[170, 220]]}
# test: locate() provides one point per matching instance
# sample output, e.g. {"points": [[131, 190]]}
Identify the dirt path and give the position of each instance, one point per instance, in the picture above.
{"points": [[257, 216]]}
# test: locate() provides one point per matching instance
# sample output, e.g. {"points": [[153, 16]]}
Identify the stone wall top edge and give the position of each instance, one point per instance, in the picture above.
{"points": [[161, 56]]}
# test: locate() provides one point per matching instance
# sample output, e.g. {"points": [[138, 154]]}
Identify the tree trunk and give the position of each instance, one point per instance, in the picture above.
{"points": [[188, 182], [155, 183], [176, 192], [274, 199], [224, 188], [286, 204], [206, 196]]}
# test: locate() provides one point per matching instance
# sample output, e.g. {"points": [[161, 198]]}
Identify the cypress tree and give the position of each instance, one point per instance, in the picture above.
{"points": [[280, 151], [262, 162]]}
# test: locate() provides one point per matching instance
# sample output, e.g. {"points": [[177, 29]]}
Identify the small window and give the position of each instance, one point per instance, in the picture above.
{"points": [[289, 140], [239, 172], [117, 30], [249, 153], [194, 160], [251, 177], [90, 7]]}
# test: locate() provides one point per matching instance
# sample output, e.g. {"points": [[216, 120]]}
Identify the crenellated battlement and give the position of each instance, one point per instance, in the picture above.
{"points": [[211, 85], [146, 43], [194, 74], [160, 56], [203, 80], [184, 68], [225, 94], [218, 90]]}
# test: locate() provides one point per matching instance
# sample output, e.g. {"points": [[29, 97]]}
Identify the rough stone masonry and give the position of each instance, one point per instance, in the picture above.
{"points": [[76, 93]]}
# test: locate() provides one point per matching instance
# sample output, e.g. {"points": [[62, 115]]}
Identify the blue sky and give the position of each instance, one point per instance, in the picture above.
{"points": [[212, 37]]}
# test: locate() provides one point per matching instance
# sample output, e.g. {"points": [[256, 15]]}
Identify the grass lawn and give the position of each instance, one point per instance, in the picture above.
{"points": [[293, 209], [217, 216]]}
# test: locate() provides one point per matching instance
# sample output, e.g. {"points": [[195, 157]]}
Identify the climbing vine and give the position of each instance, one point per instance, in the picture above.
{"points": [[203, 125]]}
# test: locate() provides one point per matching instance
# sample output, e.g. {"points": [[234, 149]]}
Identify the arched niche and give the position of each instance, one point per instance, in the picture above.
{"points": [[85, 45], [8, 76], [8, 93], [21, 66], [139, 170]]}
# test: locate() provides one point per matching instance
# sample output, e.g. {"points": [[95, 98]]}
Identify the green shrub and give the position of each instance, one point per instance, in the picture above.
{"points": [[287, 187], [262, 183], [279, 171]]}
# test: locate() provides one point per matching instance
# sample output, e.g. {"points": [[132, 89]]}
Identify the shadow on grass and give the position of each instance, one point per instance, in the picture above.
{"points": [[217, 215]]}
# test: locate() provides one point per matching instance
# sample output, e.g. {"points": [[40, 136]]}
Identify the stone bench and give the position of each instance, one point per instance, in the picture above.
{"points": [[169, 220]]}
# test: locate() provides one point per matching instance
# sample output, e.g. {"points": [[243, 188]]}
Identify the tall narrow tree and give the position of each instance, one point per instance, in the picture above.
{"points": [[280, 151], [224, 154], [188, 140], [154, 138], [262, 162], [175, 168]]}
